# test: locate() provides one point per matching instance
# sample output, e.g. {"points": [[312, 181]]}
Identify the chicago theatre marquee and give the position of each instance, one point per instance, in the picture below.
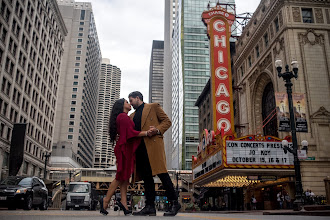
{"points": [[240, 149]]}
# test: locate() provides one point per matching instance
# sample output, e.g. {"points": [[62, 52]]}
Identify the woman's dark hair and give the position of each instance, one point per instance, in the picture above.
{"points": [[117, 108]]}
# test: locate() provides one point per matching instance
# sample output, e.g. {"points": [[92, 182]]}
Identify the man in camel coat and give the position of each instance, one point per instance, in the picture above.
{"points": [[150, 155]]}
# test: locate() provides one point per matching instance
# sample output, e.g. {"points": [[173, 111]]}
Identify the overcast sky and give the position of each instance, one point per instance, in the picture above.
{"points": [[126, 29]]}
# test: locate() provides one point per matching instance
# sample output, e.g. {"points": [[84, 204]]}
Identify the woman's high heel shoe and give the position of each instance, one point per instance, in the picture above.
{"points": [[126, 212], [102, 210]]}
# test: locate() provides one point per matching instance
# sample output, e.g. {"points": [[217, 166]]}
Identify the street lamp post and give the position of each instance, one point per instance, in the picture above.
{"points": [[287, 76], [46, 155]]}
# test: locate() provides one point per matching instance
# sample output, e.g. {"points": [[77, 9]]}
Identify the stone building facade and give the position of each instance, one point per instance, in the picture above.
{"points": [[205, 109], [297, 30], [32, 37], [76, 111]]}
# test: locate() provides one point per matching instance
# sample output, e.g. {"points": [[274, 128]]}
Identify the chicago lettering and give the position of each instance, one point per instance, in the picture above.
{"points": [[221, 74]]}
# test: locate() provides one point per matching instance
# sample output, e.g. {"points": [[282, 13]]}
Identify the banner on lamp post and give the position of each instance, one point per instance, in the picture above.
{"points": [[299, 109], [282, 109]]}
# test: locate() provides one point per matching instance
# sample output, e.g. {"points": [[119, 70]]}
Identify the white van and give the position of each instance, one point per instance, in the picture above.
{"points": [[80, 195]]}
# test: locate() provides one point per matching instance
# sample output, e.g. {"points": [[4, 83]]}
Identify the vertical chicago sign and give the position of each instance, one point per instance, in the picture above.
{"points": [[218, 22]]}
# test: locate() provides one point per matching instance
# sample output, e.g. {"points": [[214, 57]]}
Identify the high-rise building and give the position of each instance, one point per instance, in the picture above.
{"points": [[190, 73], [31, 49], [109, 92], [75, 126], [156, 73], [170, 13]]}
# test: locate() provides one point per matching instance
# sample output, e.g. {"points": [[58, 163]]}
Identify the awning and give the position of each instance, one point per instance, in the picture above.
{"points": [[239, 177]]}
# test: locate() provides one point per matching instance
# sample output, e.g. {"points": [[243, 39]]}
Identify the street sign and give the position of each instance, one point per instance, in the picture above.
{"points": [[302, 154], [310, 158]]}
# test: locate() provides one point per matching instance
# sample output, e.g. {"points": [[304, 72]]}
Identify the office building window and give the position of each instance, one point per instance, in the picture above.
{"points": [[70, 129], [307, 15], [25, 167], [257, 51], [277, 27], [82, 23], [71, 116], [73, 109], [75, 76], [74, 89], [80, 40], [70, 137], [71, 122], [266, 40], [73, 102], [74, 96], [82, 15]]}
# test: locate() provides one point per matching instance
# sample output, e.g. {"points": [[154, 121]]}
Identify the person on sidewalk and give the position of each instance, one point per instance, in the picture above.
{"points": [[150, 155], [280, 199], [287, 200], [254, 203]]}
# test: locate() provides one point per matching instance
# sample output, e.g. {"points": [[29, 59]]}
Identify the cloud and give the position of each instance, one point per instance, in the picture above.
{"points": [[126, 29], [246, 6]]}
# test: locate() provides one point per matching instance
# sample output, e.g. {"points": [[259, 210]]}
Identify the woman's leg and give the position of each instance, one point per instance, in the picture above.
{"points": [[123, 193], [112, 188]]}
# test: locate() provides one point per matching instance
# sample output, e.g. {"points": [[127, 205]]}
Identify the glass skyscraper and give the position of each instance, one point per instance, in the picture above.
{"points": [[190, 73], [156, 72]]}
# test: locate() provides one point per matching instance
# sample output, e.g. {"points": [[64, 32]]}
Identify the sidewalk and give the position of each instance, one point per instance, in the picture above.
{"points": [[269, 212], [290, 212]]}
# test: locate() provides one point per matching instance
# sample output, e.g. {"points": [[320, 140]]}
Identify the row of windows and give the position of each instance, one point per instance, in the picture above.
{"points": [[196, 66], [307, 17]]}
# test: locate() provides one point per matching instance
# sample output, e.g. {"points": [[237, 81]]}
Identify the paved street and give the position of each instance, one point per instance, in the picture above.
{"points": [[63, 215]]}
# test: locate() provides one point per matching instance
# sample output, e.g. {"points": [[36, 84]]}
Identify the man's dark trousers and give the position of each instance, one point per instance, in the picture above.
{"points": [[145, 172]]}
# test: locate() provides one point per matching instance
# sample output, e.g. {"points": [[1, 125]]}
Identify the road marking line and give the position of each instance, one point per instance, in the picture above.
{"points": [[211, 217]]}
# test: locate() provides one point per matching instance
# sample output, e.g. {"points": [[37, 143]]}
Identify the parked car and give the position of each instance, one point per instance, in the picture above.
{"points": [[81, 195], [23, 192]]}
